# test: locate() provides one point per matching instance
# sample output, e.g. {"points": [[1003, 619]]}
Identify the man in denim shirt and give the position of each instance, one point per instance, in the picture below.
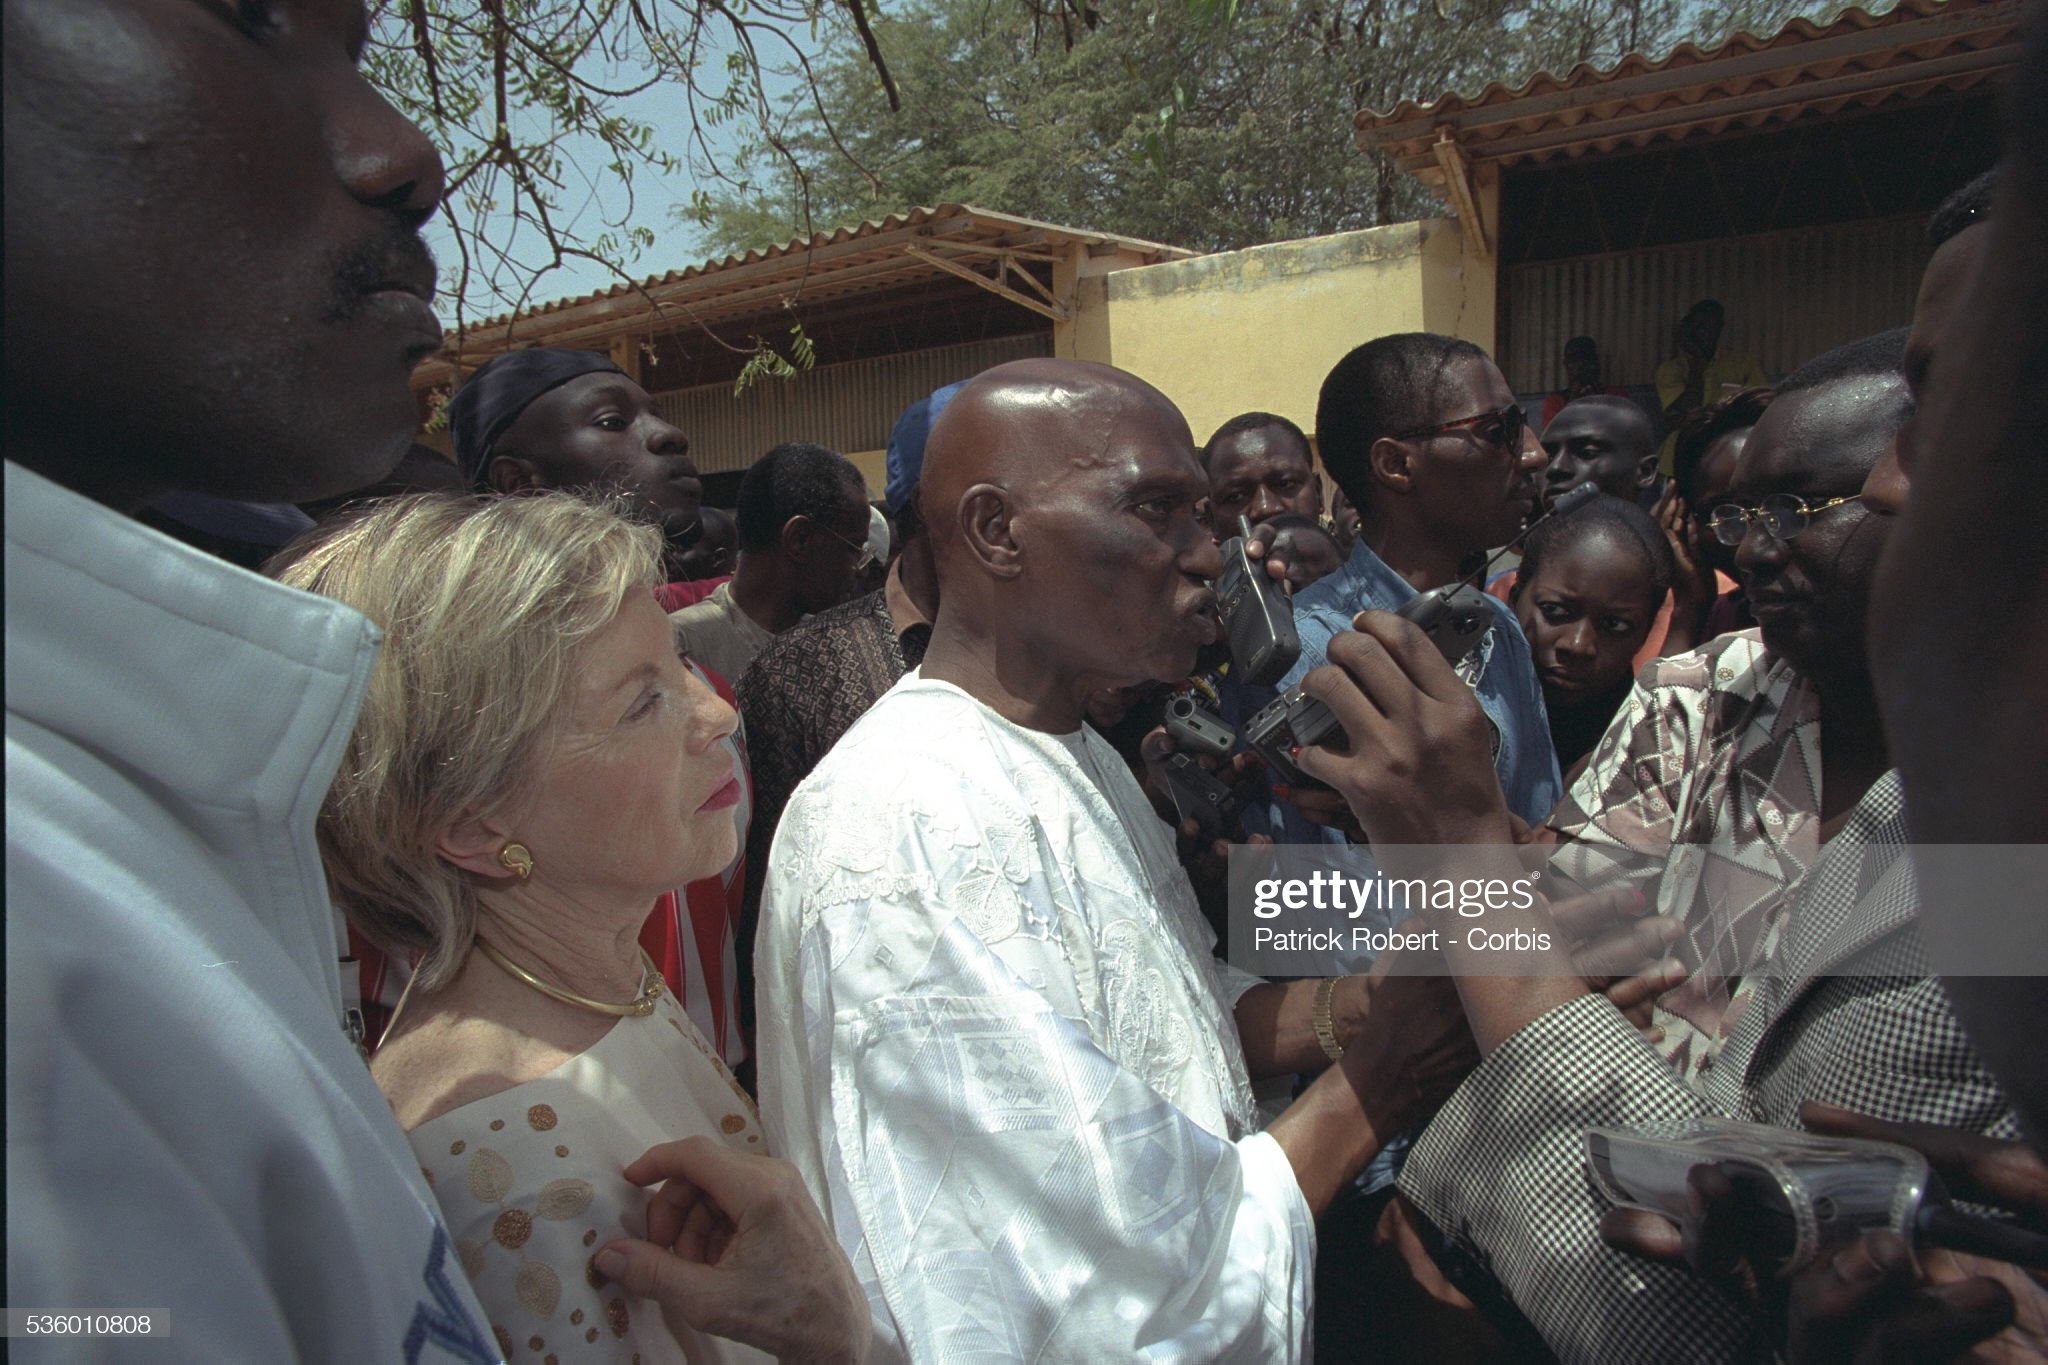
{"points": [[1424, 437]]}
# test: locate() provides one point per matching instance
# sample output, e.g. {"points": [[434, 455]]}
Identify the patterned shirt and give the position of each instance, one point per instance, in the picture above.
{"points": [[808, 688], [1845, 1012], [796, 699], [1706, 790], [531, 1180]]}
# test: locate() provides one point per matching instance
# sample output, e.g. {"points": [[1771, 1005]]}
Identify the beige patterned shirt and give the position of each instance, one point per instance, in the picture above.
{"points": [[1706, 793], [529, 1182]]}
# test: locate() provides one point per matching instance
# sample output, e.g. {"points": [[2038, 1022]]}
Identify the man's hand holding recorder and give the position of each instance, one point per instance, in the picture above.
{"points": [[1414, 766], [1414, 762]]}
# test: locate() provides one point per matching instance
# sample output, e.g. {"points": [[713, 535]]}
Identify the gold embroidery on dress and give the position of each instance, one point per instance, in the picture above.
{"points": [[539, 1288]]}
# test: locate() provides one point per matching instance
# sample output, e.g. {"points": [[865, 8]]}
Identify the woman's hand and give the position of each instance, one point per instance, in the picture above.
{"points": [[736, 1248]]}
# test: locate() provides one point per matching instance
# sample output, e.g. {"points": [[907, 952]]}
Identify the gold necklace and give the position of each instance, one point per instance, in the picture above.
{"points": [[639, 1007]]}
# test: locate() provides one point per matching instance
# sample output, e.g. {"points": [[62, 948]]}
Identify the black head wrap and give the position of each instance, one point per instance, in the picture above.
{"points": [[495, 395]]}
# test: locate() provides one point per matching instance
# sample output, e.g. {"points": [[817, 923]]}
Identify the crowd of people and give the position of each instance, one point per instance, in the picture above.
{"points": [[540, 915]]}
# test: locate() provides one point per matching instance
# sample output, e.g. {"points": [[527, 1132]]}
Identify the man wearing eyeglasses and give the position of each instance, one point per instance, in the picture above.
{"points": [[1722, 750], [803, 523]]}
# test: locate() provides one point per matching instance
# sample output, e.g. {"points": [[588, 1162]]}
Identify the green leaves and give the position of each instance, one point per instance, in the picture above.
{"points": [[1206, 123], [768, 363], [535, 106]]}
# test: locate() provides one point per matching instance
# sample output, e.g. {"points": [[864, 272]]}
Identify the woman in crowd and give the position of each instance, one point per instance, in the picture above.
{"points": [[532, 766], [1590, 584]]}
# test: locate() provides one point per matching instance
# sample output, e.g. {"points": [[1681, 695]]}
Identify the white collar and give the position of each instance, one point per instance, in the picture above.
{"points": [[208, 689]]}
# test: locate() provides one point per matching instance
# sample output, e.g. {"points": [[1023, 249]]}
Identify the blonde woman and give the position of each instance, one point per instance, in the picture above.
{"points": [[531, 767]]}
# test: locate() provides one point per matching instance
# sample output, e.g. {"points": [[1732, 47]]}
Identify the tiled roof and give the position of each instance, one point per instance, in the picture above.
{"points": [[860, 258], [1859, 59]]}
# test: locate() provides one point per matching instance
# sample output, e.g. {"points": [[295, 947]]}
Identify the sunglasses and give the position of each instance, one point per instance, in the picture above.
{"points": [[1509, 422], [1782, 515]]}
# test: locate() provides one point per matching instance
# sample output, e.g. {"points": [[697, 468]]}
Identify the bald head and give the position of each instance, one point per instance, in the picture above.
{"points": [[1028, 425], [1060, 499]]}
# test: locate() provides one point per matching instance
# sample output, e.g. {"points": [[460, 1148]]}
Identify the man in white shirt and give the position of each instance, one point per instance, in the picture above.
{"points": [[189, 1133], [993, 1037], [192, 1142]]}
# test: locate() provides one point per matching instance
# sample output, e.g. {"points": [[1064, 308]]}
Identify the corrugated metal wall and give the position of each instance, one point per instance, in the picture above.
{"points": [[848, 407], [1790, 295]]}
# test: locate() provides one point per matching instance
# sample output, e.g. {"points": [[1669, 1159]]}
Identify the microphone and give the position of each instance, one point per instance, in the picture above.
{"points": [[1570, 500]]}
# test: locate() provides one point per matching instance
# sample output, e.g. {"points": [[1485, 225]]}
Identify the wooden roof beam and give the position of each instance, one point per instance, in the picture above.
{"points": [[1457, 171], [1010, 266], [996, 287]]}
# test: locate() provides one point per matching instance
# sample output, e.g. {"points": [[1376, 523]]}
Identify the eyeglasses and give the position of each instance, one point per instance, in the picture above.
{"points": [[1508, 435], [866, 551], [1783, 516]]}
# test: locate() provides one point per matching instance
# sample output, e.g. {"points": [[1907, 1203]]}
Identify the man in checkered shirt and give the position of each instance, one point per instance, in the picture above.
{"points": [[1843, 1010]]}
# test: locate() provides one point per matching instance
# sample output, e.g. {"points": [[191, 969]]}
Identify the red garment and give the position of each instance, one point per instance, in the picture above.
{"points": [[676, 596], [697, 963]]}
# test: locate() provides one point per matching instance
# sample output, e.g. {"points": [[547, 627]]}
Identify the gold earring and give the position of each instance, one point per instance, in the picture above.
{"points": [[517, 860]]}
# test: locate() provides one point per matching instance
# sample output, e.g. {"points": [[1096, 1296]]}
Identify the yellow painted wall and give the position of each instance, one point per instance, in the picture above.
{"points": [[874, 467], [1259, 328]]}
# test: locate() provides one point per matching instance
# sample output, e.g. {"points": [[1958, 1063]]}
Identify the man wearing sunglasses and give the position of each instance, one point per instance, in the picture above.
{"points": [[1424, 437], [1807, 547]]}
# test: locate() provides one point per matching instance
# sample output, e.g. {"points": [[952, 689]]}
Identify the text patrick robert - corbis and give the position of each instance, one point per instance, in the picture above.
{"points": [[1322, 895], [1323, 909]]}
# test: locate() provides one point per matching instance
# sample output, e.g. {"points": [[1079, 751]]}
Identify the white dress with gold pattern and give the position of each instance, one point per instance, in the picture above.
{"points": [[529, 1181]]}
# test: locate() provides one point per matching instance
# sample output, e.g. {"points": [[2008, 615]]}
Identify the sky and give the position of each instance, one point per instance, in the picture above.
{"points": [[593, 201]]}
